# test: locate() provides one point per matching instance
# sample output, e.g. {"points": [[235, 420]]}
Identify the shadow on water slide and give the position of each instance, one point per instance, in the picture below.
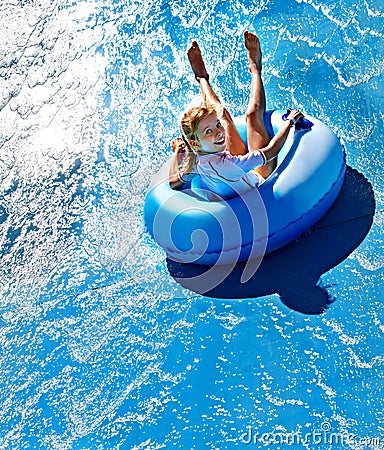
{"points": [[293, 271]]}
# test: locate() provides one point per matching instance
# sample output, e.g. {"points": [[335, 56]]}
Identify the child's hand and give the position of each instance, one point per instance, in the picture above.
{"points": [[296, 115], [297, 118], [178, 146]]}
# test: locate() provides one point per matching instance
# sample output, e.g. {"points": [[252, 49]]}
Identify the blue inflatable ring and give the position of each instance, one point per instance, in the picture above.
{"points": [[308, 177]]}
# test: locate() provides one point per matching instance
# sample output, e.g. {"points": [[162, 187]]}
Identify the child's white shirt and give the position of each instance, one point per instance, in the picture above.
{"points": [[224, 173]]}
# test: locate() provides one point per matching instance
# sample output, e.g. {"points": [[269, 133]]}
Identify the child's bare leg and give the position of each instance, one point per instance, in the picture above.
{"points": [[257, 135], [235, 145], [197, 64]]}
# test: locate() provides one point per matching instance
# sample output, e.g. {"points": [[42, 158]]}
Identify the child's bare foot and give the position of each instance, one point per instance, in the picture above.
{"points": [[196, 61], [252, 45]]}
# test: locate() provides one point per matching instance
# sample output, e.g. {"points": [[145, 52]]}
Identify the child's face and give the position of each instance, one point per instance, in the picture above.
{"points": [[211, 134]]}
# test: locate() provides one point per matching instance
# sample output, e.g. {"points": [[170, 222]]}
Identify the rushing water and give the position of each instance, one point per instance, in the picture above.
{"points": [[101, 348]]}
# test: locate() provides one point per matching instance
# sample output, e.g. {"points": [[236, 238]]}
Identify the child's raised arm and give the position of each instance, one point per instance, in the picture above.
{"points": [[277, 142]]}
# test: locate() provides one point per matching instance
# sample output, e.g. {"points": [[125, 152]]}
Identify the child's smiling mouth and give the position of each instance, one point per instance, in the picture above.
{"points": [[221, 141]]}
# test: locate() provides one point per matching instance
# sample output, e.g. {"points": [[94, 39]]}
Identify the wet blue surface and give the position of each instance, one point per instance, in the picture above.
{"points": [[100, 347]]}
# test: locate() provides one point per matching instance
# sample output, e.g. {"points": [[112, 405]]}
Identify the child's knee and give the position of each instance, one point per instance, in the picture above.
{"points": [[255, 112]]}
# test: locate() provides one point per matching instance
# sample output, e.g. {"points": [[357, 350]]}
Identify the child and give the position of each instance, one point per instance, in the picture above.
{"points": [[210, 144]]}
